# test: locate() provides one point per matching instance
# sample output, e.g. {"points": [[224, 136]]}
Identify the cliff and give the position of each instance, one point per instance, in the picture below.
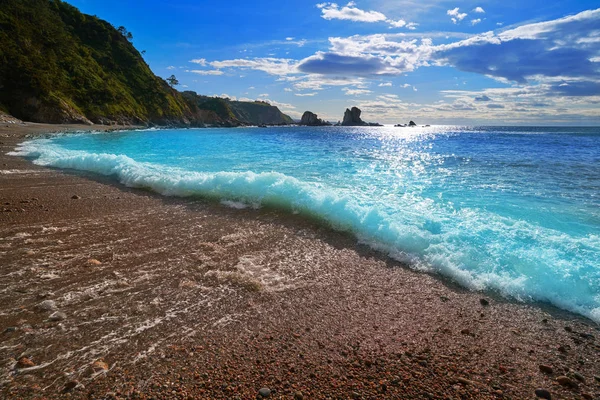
{"points": [[58, 65], [217, 111]]}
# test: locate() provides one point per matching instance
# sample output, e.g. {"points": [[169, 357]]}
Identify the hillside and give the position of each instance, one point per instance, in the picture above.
{"points": [[58, 65]]}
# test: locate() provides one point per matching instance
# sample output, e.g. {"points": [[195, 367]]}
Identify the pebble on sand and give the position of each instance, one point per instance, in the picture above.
{"points": [[24, 362], [484, 302], [57, 316], [93, 261], [566, 381], [99, 366], [543, 394], [546, 369], [75, 197], [264, 392], [48, 305]]}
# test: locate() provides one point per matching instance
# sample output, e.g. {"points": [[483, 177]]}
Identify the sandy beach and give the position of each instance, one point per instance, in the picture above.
{"points": [[111, 292]]}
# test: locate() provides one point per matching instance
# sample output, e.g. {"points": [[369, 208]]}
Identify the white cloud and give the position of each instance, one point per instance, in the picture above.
{"points": [[170, 67], [331, 11], [201, 61], [305, 94], [289, 38], [479, 10], [350, 12], [263, 95], [272, 66], [355, 92], [456, 15], [205, 72], [385, 84], [475, 21], [287, 90]]}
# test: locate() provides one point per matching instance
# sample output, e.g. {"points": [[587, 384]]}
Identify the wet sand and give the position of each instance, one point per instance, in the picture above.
{"points": [[112, 292]]}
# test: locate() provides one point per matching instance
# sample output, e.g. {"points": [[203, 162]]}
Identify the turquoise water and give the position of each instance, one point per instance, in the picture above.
{"points": [[511, 209]]}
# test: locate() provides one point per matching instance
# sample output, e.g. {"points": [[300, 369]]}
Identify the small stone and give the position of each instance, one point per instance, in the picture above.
{"points": [[543, 394], [93, 261], [568, 329], [99, 366], [57, 316], [264, 392], [75, 197], [70, 386], [25, 362], [578, 376], [597, 378], [11, 329], [562, 349], [465, 332], [566, 381], [484, 302], [48, 305], [546, 369], [298, 396]]}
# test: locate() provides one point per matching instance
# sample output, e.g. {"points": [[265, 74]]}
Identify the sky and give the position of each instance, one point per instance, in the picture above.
{"points": [[509, 62]]}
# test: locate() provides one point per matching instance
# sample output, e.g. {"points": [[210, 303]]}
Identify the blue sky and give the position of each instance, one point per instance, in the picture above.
{"points": [[433, 61]]}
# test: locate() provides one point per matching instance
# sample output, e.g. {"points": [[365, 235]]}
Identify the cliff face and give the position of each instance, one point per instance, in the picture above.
{"points": [[224, 112], [58, 65]]}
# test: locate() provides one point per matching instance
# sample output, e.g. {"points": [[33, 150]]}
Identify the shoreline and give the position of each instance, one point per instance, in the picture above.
{"points": [[245, 299]]}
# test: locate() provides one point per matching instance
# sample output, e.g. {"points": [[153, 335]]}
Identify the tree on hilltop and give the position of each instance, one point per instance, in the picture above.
{"points": [[172, 81]]}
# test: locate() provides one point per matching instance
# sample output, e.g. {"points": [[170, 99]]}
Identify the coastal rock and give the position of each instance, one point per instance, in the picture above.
{"points": [[484, 302], [312, 119], [412, 123], [352, 117]]}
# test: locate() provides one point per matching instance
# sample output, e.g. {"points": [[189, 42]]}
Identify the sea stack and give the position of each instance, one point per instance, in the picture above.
{"points": [[352, 118], [312, 119]]}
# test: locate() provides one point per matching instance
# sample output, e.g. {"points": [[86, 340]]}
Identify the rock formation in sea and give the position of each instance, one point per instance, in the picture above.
{"points": [[312, 119], [352, 118]]}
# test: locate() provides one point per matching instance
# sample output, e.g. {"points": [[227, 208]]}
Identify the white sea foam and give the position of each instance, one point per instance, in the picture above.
{"points": [[460, 250]]}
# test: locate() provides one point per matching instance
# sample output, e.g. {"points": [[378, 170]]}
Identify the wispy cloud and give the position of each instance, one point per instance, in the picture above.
{"points": [[356, 92], [205, 72], [479, 10], [200, 61]]}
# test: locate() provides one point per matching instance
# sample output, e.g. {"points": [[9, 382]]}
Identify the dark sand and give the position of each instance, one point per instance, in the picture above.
{"points": [[190, 299]]}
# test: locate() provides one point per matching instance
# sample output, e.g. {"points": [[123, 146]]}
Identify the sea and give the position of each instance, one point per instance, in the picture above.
{"points": [[514, 210]]}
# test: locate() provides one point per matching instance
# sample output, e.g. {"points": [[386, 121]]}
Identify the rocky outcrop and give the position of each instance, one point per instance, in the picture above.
{"points": [[352, 118], [412, 123], [312, 119]]}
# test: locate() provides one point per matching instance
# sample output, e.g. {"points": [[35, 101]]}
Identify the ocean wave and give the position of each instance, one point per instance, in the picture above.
{"points": [[457, 250]]}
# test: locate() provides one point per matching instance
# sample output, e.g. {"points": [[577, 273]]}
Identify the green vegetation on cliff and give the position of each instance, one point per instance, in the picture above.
{"points": [[58, 65]]}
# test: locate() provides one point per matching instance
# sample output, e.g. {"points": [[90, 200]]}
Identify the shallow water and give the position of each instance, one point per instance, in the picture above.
{"points": [[508, 208]]}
